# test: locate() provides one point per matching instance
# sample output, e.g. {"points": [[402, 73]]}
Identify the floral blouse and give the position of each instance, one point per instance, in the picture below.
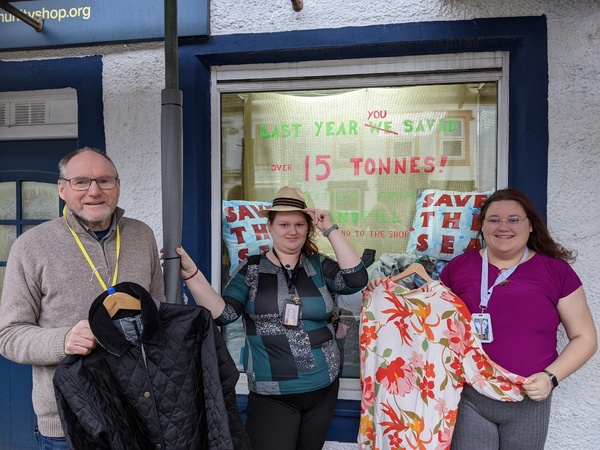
{"points": [[417, 349]]}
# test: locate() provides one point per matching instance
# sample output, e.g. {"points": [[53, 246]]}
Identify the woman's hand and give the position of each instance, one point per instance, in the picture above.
{"points": [[373, 283], [321, 218], [187, 267], [538, 386]]}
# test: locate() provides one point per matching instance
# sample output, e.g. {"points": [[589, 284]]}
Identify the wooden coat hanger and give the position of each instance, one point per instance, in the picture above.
{"points": [[413, 269], [120, 300]]}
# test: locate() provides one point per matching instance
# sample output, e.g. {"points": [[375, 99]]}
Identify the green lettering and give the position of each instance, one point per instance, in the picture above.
{"points": [[319, 125], [263, 135]]}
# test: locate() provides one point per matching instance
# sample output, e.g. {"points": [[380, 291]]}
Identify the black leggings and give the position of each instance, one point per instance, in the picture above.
{"points": [[292, 421]]}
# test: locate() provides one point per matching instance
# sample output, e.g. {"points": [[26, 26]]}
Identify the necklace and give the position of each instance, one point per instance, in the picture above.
{"points": [[287, 266]]}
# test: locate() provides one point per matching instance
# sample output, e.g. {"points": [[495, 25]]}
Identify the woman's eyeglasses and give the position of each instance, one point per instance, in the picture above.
{"points": [[512, 222]]}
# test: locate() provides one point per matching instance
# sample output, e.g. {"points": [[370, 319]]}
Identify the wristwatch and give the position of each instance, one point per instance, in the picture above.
{"points": [[330, 229], [552, 378]]}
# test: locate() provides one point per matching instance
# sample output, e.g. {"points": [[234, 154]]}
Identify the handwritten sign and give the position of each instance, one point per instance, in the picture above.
{"points": [[364, 155]]}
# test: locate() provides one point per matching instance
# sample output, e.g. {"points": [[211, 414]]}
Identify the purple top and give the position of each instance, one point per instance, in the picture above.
{"points": [[524, 313]]}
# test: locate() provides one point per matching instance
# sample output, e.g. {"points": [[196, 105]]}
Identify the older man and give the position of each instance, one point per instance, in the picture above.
{"points": [[56, 270]]}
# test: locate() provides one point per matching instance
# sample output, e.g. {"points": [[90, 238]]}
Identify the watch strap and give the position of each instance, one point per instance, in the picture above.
{"points": [[553, 378], [330, 229]]}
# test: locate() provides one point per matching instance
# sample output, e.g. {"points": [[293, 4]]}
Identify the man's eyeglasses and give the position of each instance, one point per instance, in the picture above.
{"points": [[512, 222], [83, 183]]}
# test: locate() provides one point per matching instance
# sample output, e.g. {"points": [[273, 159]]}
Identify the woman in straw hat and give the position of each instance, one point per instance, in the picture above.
{"points": [[286, 297]]}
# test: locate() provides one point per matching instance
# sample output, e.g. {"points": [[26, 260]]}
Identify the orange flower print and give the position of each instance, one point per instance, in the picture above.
{"points": [[368, 335], [429, 370], [451, 416], [397, 377]]}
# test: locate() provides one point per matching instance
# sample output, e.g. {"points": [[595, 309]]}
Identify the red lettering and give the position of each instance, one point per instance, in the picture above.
{"points": [[447, 244], [384, 166], [414, 164], [474, 244], [461, 201], [422, 243], [245, 213], [230, 214], [243, 254], [400, 166], [479, 199], [444, 200], [451, 220], [428, 200], [370, 166], [425, 216], [239, 233], [476, 223], [264, 248], [356, 162], [260, 231], [429, 162]]}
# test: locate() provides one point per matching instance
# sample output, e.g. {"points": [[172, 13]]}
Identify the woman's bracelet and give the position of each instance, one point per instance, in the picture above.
{"points": [[328, 231], [193, 275]]}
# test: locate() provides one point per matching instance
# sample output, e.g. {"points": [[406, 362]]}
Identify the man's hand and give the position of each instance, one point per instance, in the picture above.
{"points": [[79, 339]]}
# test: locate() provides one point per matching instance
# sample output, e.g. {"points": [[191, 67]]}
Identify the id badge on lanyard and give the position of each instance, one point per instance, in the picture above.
{"points": [[291, 314], [483, 320], [483, 327]]}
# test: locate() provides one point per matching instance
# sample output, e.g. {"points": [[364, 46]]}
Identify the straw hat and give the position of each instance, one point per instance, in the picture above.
{"points": [[286, 199]]}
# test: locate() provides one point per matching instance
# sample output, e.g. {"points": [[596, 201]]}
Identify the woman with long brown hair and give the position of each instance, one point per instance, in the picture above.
{"points": [[522, 285]]}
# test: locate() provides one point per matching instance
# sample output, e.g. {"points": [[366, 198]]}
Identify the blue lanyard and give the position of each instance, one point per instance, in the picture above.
{"points": [[486, 292]]}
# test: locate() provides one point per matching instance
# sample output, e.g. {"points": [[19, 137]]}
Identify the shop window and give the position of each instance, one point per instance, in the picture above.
{"points": [[399, 155]]}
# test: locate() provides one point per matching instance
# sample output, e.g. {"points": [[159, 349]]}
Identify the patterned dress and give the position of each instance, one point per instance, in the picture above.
{"points": [[417, 350]]}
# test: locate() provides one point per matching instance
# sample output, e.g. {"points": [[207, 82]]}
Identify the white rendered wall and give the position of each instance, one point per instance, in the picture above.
{"points": [[134, 77]]}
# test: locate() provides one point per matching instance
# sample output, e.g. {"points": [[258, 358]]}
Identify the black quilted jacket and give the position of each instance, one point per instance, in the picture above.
{"points": [[173, 387]]}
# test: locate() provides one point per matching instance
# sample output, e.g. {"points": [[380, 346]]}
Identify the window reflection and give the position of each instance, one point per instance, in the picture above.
{"points": [[40, 200], [8, 234], [8, 200]]}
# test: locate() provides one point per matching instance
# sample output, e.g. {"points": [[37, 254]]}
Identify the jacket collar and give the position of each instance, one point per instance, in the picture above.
{"points": [[107, 332]]}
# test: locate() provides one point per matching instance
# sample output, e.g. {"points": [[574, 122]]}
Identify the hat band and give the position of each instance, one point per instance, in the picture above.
{"points": [[286, 201]]}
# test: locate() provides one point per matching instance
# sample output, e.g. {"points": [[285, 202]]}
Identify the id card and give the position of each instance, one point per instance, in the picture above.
{"points": [[483, 327], [290, 315]]}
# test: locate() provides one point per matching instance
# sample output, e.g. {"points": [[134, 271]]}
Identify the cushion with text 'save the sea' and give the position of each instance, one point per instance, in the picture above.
{"points": [[244, 231], [446, 223]]}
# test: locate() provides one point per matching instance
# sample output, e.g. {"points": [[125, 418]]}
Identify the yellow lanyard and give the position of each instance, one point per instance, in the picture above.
{"points": [[87, 257]]}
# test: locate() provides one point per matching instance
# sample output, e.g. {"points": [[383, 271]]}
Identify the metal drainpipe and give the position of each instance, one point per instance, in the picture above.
{"points": [[171, 156], [36, 23]]}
